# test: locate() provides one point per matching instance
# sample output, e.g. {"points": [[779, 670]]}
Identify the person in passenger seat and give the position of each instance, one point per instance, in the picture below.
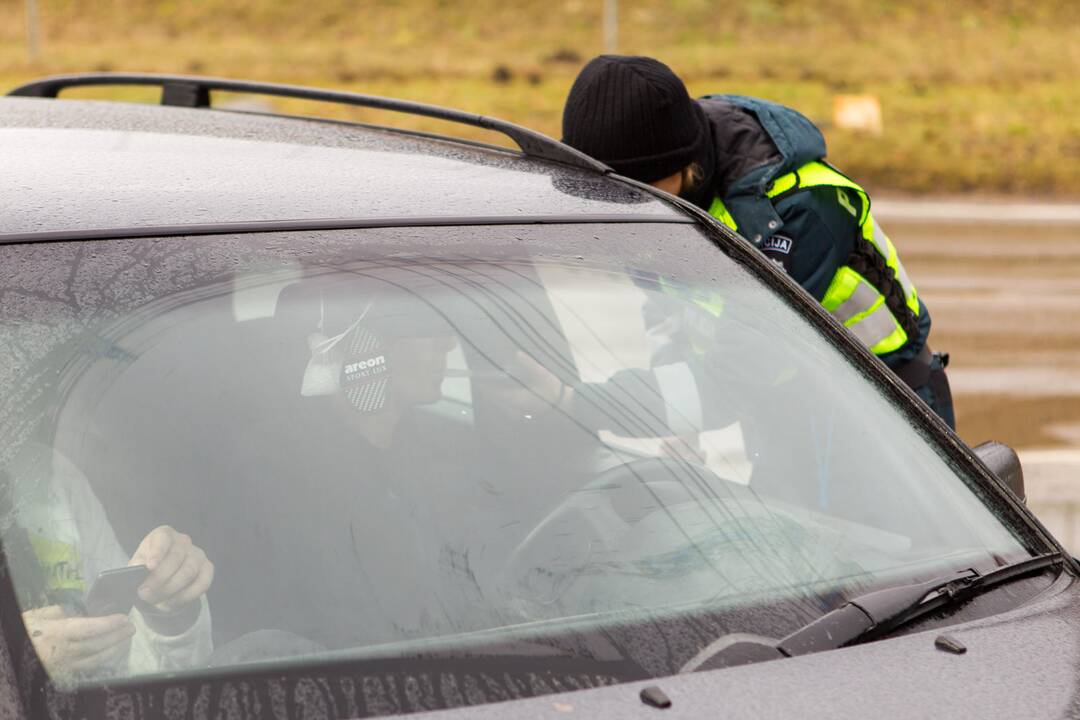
{"points": [[759, 168], [58, 539]]}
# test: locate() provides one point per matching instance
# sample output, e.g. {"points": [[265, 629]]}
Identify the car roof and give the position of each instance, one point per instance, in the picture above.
{"points": [[73, 165]]}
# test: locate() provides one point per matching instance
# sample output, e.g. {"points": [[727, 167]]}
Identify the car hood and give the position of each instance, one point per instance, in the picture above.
{"points": [[1024, 663]]}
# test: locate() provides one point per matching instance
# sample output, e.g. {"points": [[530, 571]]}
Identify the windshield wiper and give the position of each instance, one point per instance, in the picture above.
{"points": [[868, 616]]}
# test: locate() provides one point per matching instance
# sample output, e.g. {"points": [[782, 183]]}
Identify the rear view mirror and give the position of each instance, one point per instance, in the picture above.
{"points": [[1004, 463]]}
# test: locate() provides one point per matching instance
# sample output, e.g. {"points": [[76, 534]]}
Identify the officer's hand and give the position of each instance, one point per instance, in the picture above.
{"points": [[684, 447], [535, 389], [77, 644], [179, 570]]}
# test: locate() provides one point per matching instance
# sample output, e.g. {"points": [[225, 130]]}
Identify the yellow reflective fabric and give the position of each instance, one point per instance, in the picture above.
{"points": [[719, 211], [842, 287], [816, 174], [892, 342], [713, 305], [845, 202], [782, 184], [849, 294], [859, 307], [710, 302], [861, 301], [876, 235], [701, 330], [60, 563], [879, 330]]}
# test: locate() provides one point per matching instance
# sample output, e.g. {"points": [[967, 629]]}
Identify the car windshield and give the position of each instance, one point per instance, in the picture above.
{"points": [[401, 440]]}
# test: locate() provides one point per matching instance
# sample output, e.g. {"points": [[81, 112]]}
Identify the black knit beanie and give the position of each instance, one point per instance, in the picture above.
{"points": [[634, 114]]}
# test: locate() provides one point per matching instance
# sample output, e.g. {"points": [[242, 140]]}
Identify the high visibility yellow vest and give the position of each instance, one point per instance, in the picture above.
{"points": [[871, 294]]}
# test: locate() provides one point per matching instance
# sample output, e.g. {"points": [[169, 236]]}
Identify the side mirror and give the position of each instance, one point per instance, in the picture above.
{"points": [[1004, 463]]}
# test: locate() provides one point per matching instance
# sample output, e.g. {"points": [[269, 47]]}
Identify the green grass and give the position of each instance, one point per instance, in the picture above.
{"points": [[978, 96]]}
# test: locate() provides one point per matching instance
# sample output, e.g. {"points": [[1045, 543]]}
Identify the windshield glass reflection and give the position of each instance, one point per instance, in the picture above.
{"points": [[314, 454]]}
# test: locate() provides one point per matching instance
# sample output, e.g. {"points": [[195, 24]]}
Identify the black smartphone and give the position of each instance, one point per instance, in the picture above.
{"points": [[115, 591]]}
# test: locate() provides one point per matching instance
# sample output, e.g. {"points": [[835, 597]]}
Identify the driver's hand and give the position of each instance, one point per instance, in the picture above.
{"points": [[180, 572], [77, 644]]}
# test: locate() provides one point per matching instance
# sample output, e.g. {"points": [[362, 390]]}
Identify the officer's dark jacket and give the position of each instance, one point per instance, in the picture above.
{"points": [[756, 141]]}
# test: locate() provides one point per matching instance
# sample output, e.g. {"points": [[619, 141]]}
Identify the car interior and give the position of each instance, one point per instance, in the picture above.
{"points": [[494, 505]]}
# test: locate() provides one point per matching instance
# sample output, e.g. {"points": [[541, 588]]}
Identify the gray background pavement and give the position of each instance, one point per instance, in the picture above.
{"points": [[1002, 281]]}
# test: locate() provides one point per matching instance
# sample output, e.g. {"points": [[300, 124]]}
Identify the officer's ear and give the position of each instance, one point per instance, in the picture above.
{"points": [[692, 177]]}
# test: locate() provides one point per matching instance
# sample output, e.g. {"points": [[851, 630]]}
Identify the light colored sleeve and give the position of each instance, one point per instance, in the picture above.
{"points": [[100, 550], [153, 652]]}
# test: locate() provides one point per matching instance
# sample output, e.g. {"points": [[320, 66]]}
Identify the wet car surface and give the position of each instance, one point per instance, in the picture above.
{"points": [[74, 158], [461, 426]]}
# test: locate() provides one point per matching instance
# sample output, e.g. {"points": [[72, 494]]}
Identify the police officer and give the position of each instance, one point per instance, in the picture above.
{"points": [[759, 168]]}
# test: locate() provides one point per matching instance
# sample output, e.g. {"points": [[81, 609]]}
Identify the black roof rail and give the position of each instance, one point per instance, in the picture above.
{"points": [[194, 92]]}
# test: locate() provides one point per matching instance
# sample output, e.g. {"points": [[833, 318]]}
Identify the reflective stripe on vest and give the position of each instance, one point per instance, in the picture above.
{"points": [[850, 297], [860, 308], [719, 211], [710, 302]]}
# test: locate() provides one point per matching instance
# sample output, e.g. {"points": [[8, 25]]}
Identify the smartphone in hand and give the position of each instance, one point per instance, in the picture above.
{"points": [[115, 591]]}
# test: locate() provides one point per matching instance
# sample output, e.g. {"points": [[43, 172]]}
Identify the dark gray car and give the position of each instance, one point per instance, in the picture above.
{"points": [[463, 430]]}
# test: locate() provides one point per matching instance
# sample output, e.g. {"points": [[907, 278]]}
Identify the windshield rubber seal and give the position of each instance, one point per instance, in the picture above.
{"points": [[261, 226]]}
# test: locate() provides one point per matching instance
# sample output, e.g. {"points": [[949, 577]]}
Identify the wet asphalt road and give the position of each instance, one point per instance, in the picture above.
{"points": [[1004, 296], [1005, 302]]}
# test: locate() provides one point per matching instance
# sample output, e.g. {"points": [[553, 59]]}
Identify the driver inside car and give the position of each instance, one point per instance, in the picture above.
{"points": [[58, 539], [396, 512], [363, 496]]}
